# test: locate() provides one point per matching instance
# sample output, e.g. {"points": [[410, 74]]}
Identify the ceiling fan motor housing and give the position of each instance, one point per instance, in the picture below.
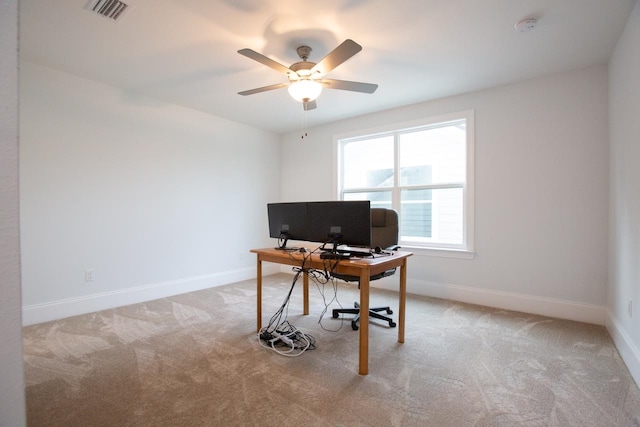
{"points": [[301, 70], [304, 52]]}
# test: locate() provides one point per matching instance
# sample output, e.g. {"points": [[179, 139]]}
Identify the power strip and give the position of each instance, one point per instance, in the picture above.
{"points": [[284, 338]]}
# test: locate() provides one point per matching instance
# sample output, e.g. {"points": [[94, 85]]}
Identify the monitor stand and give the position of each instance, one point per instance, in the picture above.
{"points": [[333, 248], [283, 246]]}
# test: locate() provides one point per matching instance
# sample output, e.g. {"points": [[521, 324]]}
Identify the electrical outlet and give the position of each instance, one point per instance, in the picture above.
{"points": [[89, 275], [630, 308]]}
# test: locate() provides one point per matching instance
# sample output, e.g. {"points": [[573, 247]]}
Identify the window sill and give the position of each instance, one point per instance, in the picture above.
{"points": [[440, 252]]}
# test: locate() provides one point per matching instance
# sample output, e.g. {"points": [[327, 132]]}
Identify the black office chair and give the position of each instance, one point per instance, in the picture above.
{"points": [[384, 237]]}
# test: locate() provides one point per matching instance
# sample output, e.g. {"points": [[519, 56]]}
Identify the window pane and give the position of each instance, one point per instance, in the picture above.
{"points": [[432, 216], [416, 213], [368, 163], [378, 199], [419, 170], [433, 156]]}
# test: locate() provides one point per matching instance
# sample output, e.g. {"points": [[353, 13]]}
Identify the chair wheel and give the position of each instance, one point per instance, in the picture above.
{"points": [[389, 311], [335, 315], [392, 324], [354, 326]]}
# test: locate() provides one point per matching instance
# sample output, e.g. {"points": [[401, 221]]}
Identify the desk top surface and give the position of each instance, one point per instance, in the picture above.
{"points": [[280, 255]]}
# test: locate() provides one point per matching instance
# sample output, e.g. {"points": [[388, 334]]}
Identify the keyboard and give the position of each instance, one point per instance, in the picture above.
{"points": [[356, 252]]}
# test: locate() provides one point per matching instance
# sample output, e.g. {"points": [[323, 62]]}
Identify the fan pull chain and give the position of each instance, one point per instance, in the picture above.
{"points": [[303, 133]]}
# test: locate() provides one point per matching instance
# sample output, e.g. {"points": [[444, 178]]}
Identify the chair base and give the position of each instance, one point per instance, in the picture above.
{"points": [[373, 313]]}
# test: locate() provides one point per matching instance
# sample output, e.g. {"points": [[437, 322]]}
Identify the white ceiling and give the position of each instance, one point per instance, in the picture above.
{"points": [[185, 51]]}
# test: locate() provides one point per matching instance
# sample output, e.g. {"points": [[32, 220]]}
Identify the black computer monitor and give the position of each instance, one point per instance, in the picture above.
{"points": [[287, 221], [333, 222], [340, 222]]}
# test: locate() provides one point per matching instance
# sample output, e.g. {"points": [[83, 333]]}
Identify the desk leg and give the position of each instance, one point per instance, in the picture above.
{"points": [[259, 291], [403, 300], [364, 322], [305, 292]]}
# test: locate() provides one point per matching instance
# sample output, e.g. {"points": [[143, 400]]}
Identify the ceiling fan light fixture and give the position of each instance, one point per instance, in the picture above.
{"points": [[305, 90], [307, 78]]}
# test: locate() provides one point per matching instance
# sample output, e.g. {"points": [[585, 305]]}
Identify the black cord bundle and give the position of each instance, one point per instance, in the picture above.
{"points": [[280, 335]]}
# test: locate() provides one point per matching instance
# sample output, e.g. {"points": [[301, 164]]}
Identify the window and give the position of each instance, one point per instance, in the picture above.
{"points": [[422, 170]]}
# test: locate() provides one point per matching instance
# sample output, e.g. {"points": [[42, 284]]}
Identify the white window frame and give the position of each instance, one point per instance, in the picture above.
{"points": [[466, 249]]}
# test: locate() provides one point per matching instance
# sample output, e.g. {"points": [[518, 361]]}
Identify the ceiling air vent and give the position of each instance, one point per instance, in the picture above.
{"points": [[111, 9]]}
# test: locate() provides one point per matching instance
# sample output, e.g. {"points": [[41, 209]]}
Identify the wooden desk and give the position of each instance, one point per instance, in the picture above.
{"points": [[362, 267]]}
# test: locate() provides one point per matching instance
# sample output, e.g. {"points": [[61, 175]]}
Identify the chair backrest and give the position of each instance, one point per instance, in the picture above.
{"points": [[384, 227], [384, 233]]}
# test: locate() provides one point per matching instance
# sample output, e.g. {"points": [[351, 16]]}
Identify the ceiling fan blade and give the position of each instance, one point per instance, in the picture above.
{"points": [[347, 85], [252, 54], [263, 89], [311, 105], [337, 56]]}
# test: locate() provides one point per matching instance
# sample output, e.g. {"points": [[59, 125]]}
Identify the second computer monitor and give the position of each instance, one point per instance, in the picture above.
{"points": [[340, 222]]}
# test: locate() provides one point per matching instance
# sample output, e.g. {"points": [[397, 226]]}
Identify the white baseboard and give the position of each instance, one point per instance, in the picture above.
{"points": [[59, 309], [561, 309], [38, 313], [628, 351]]}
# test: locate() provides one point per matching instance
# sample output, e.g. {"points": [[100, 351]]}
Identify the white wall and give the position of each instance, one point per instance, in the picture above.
{"points": [[541, 185], [12, 398], [624, 249], [156, 198]]}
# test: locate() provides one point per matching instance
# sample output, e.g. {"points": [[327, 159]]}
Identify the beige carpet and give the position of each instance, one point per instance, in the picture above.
{"points": [[194, 360]]}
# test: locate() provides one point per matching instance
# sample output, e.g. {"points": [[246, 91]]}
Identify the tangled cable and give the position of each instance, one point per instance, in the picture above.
{"points": [[280, 335]]}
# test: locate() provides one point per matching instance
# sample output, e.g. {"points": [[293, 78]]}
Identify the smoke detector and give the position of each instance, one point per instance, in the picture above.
{"points": [[526, 25]]}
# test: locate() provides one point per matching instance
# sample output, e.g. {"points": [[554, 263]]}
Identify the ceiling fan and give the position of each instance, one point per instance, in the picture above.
{"points": [[306, 78]]}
